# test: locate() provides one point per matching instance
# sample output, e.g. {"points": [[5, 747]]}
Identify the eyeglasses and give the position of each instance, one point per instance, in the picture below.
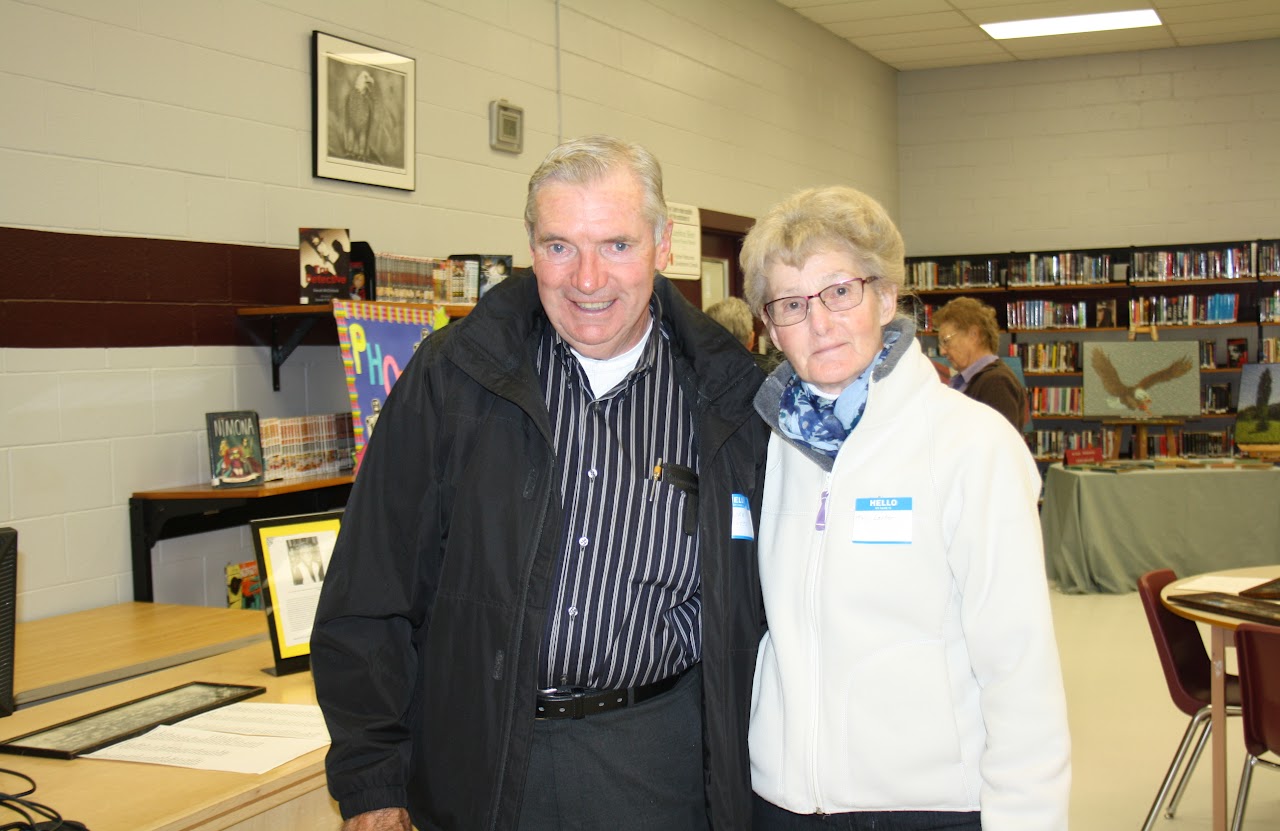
{"points": [[840, 297], [946, 339]]}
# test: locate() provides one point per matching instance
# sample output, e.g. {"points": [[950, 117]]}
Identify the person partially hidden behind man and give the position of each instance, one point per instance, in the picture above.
{"points": [[543, 609], [734, 314], [968, 336]]}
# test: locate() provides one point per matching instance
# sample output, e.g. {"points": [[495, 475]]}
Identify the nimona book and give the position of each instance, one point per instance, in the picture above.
{"points": [[235, 449]]}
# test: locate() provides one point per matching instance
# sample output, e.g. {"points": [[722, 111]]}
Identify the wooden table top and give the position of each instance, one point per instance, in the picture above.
{"points": [[126, 796], [1222, 621], [66, 653]]}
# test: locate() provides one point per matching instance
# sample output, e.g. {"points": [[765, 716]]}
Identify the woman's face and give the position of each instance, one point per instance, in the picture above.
{"points": [[830, 349], [960, 346]]}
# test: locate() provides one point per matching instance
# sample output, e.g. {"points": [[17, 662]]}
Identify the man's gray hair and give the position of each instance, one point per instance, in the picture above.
{"points": [[585, 160]]}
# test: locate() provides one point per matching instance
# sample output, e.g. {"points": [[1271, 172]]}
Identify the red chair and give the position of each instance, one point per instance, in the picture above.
{"points": [[1258, 655], [1188, 672]]}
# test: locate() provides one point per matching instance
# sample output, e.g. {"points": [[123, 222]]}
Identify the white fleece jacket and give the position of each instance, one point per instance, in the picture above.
{"points": [[910, 662]]}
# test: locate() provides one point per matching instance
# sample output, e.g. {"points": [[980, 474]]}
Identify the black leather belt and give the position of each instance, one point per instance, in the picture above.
{"points": [[579, 702]]}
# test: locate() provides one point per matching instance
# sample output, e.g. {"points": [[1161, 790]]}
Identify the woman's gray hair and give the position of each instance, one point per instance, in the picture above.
{"points": [[964, 313], [585, 160], [816, 220]]}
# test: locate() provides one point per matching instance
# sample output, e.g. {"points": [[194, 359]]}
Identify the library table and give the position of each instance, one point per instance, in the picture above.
{"points": [[68, 653], [1102, 531], [1221, 635], [126, 796]]}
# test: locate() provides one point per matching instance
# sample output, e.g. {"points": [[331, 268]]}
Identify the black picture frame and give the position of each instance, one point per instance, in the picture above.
{"points": [[293, 554], [362, 113], [101, 728]]}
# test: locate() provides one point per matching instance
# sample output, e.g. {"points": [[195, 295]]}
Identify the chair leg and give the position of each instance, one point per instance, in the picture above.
{"points": [[1172, 807], [1246, 775], [1201, 716]]}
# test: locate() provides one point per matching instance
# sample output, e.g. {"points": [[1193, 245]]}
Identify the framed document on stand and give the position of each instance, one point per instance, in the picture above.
{"points": [[293, 556]]}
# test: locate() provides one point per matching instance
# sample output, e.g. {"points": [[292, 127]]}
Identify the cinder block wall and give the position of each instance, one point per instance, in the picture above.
{"points": [[1144, 148], [178, 121]]}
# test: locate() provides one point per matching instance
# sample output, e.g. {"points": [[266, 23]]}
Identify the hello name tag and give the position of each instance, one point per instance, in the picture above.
{"points": [[740, 527], [882, 520]]}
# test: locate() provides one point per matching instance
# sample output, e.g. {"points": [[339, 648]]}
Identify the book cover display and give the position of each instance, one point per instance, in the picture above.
{"points": [[235, 449], [324, 259], [490, 270], [244, 590], [377, 341]]}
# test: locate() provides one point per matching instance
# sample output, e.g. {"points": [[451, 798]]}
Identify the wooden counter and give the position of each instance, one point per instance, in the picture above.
{"points": [[126, 796], [67, 653]]}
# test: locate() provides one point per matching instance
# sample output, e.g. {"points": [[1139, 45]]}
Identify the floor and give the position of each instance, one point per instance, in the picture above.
{"points": [[1125, 729]]}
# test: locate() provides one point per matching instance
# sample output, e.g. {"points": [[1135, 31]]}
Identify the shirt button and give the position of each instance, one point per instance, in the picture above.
{"points": [[573, 611], [582, 542], [591, 474]]}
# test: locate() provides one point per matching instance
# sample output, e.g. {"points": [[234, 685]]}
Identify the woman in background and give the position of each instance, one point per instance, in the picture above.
{"points": [[910, 677], [968, 336]]}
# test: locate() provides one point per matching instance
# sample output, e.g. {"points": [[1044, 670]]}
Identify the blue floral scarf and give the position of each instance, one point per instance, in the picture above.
{"points": [[824, 423]]}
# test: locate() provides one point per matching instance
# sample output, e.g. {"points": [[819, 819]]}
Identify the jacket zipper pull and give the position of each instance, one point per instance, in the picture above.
{"points": [[821, 523]]}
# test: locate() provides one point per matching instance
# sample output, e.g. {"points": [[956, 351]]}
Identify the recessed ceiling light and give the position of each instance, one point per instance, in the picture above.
{"points": [[1071, 25]]}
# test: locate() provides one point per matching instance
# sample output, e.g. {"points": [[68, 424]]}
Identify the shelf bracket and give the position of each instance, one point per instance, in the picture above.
{"points": [[280, 351]]}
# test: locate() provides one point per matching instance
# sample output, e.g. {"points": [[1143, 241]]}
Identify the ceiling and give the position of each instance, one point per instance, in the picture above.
{"points": [[928, 34]]}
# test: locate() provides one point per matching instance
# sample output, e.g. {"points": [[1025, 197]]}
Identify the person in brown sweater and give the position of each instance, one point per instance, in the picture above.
{"points": [[968, 336]]}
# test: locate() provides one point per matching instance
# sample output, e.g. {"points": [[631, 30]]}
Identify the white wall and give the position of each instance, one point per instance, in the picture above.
{"points": [[1146, 148], [191, 121]]}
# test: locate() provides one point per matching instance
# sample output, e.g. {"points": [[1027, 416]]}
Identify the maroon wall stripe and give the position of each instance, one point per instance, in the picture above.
{"points": [[79, 290]]}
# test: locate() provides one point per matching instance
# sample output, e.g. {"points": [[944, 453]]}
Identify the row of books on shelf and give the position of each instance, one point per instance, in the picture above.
{"points": [[1050, 357], [1046, 314], [1192, 443], [332, 266], [1067, 444], [245, 450], [457, 279], [1184, 310], [1053, 444], [1269, 308], [1230, 261], [1048, 402]]}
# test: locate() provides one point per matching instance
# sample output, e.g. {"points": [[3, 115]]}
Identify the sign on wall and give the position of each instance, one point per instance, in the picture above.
{"points": [[686, 242]]}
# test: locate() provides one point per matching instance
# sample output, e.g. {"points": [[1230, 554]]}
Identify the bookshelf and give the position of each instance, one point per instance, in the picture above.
{"points": [[1226, 295]]}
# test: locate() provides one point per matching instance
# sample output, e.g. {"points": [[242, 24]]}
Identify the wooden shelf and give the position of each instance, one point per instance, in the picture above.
{"points": [[303, 317], [156, 515]]}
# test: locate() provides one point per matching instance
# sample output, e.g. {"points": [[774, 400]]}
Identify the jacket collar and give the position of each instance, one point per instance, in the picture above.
{"points": [[493, 344], [769, 397]]}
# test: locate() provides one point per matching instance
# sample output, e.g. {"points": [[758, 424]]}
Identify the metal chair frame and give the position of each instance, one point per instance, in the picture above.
{"points": [[1258, 655], [1187, 670]]}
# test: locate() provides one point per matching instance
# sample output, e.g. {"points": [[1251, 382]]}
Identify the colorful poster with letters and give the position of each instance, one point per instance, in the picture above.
{"points": [[377, 341]]}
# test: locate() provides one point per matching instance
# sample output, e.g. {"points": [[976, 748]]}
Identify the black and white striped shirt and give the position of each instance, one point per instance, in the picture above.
{"points": [[626, 594]]}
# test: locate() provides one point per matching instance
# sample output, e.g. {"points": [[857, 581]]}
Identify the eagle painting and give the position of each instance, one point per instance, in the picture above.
{"points": [[1135, 396]]}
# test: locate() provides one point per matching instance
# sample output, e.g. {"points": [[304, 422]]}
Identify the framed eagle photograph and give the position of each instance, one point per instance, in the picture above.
{"points": [[1141, 380], [362, 113]]}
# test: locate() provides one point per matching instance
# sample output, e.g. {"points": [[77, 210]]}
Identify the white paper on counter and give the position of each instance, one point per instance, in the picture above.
{"points": [[207, 750], [251, 718]]}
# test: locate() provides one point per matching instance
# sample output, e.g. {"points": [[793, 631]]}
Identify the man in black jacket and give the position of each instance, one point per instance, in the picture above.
{"points": [[543, 608]]}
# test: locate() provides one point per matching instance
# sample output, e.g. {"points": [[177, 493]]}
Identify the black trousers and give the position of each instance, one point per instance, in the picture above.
{"points": [[765, 816], [634, 769]]}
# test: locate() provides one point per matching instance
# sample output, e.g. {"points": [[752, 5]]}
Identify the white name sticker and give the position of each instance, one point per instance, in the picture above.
{"points": [[882, 520], [741, 528]]}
